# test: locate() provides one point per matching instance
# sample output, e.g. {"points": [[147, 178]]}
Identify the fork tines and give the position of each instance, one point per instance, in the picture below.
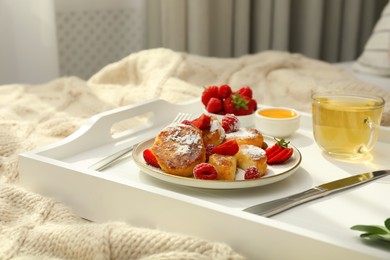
{"points": [[182, 116]]}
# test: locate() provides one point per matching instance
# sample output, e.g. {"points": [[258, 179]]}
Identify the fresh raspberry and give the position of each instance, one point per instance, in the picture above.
{"points": [[205, 171], [208, 93], [209, 151], [252, 173], [230, 123], [246, 91], [150, 158], [214, 106], [229, 147], [224, 91]]}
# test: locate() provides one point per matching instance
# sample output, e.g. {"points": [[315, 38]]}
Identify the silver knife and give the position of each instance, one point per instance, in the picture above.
{"points": [[274, 207]]}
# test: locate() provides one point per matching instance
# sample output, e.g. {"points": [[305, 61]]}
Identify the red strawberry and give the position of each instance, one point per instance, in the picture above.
{"points": [[229, 106], [245, 91], [215, 105], [244, 111], [237, 105], [229, 147], [279, 152], [224, 91], [150, 158], [230, 123], [208, 93], [251, 173], [205, 171], [202, 122], [252, 104]]}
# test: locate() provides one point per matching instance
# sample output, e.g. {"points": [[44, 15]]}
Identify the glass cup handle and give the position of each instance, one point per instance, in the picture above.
{"points": [[371, 125]]}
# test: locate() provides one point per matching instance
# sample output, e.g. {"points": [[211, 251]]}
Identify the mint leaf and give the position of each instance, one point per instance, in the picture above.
{"points": [[373, 237], [387, 223], [375, 232], [371, 229]]}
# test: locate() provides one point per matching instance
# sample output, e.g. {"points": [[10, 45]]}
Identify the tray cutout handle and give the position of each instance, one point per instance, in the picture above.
{"points": [[130, 126]]}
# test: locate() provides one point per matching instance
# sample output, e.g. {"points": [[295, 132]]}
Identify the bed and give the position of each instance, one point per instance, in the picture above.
{"points": [[36, 116]]}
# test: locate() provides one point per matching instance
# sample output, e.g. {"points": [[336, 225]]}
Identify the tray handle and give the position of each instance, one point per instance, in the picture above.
{"points": [[97, 130]]}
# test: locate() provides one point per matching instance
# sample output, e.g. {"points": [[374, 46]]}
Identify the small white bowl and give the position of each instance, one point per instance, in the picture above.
{"points": [[277, 121], [245, 121]]}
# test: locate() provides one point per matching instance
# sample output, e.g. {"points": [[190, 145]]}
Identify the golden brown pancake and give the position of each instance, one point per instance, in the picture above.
{"points": [[178, 148]]}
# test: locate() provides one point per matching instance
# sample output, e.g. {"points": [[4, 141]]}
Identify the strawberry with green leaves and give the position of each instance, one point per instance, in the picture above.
{"points": [[279, 152], [238, 105]]}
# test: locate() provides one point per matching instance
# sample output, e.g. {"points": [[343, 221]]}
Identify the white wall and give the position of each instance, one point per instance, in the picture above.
{"points": [[28, 45], [41, 40]]}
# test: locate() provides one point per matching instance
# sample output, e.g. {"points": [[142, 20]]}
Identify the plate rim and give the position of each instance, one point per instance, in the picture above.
{"points": [[211, 184]]}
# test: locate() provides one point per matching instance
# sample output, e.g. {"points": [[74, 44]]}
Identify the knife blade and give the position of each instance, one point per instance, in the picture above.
{"points": [[274, 207]]}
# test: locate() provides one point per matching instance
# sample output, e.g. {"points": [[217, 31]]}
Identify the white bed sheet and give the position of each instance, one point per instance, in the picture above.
{"points": [[382, 82]]}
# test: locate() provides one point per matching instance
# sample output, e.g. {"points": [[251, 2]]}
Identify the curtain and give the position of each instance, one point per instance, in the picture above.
{"points": [[329, 30]]}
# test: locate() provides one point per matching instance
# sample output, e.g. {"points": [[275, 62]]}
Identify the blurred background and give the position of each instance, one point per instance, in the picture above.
{"points": [[45, 39]]}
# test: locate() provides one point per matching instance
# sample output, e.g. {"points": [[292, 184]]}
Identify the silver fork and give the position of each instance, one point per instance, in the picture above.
{"points": [[115, 157]]}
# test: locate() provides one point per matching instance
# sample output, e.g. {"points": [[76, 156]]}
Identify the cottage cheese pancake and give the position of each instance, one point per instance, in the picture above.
{"points": [[179, 148], [250, 155], [247, 136]]}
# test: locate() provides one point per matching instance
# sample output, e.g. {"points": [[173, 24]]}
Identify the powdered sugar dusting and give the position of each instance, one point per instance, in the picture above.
{"points": [[215, 126], [184, 144], [243, 133], [253, 151]]}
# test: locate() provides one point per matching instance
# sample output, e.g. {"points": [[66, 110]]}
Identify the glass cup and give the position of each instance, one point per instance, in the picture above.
{"points": [[346, 125]]}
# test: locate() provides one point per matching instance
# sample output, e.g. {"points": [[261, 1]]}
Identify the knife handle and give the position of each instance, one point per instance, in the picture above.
{"points": [[273, 207]]}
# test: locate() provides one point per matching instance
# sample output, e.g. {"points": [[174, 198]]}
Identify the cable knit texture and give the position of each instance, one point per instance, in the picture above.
{"points": [[36, 227]]}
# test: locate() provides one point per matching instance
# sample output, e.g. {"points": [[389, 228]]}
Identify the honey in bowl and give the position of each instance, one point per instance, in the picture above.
{"points": [[278, 113], [277, 121]]}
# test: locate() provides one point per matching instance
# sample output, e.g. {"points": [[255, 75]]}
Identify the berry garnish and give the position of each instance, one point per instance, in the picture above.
{"points": [[230, 123], [214, 105], [186, 122], [237, 105], [252, 104], [150, 158], [279, 152], [224, 91], [209, 151], [229, 147], [205, 171], [245, 91], [222, 100], [202, 122], [208, 93], [251, 173]]}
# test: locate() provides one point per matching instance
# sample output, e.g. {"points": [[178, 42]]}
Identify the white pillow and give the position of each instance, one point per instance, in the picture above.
{"points": [[375, 58]]}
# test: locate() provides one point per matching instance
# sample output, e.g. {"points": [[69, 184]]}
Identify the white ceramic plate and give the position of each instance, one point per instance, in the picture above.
{"points": [[274, 173]]}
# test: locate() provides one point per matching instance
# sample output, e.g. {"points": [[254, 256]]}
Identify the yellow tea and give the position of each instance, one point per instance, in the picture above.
{"points": [[346, 126]]}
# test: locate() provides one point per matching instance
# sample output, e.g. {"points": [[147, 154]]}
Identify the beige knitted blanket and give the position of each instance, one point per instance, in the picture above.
{"points": [[33, 226]]}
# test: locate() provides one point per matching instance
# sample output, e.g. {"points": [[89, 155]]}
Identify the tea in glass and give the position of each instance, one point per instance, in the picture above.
{"points": [[346, 125]]}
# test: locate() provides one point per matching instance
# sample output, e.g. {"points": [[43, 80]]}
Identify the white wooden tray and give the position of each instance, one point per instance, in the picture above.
{"points": [[316, 230]]}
